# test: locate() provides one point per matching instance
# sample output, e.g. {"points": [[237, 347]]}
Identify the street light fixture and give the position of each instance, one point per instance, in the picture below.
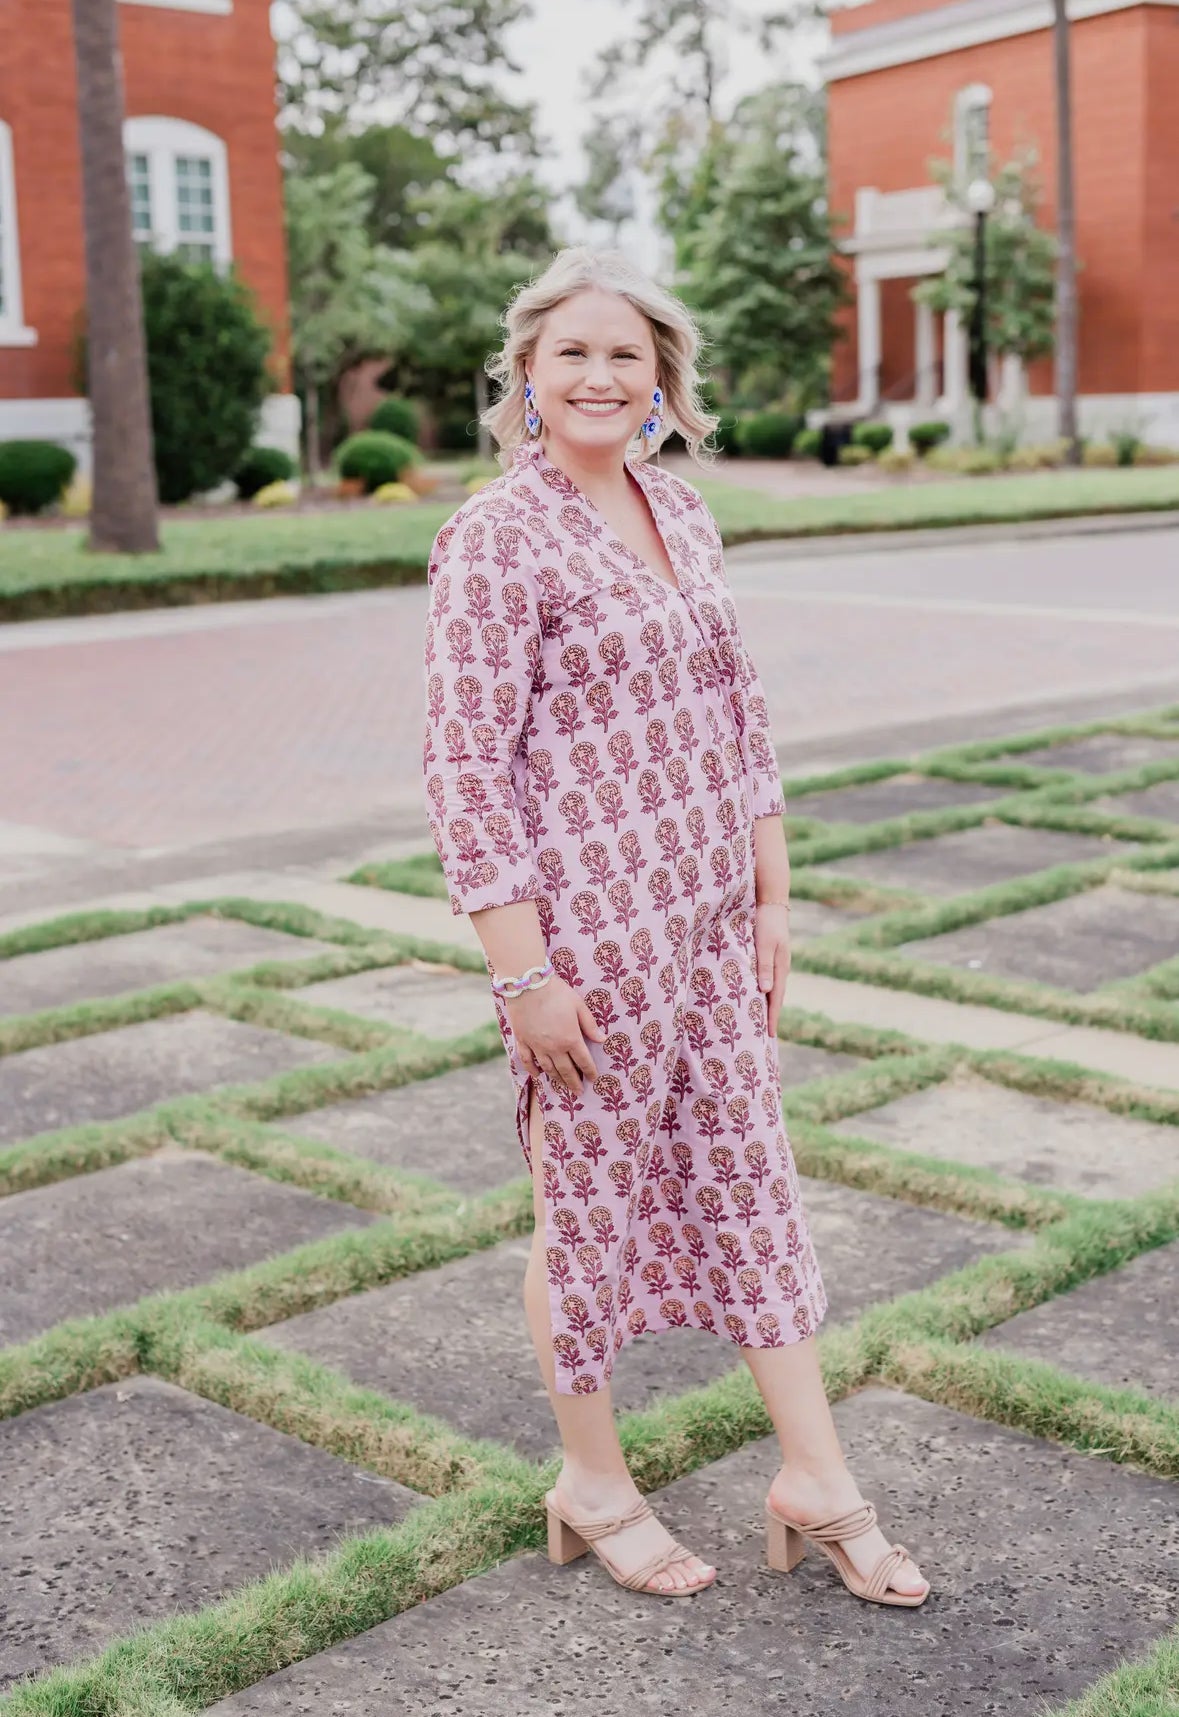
{"points": [[980, 201]]}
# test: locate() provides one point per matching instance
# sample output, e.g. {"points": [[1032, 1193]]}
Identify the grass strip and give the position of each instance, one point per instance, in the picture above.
{"points": [[850, 775], [835, 1096], [74, 927], [1147, 881], [95, 1145], [1122, 1425], [850, 893], [419, 874], [293, 1393], [1147, 1688], [844, 1037], [280, 1011], [309, 1163], [930, 1182], [85, 1019], [847, 840], [80, 1354]]}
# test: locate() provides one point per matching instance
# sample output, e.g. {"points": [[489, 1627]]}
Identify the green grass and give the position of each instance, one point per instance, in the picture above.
{"points": [[746, 515], [49, 572]]}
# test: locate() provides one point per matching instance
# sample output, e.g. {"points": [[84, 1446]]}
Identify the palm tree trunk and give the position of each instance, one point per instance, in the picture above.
{"points": [[1066, 223], [123, 514], [314, 452]]}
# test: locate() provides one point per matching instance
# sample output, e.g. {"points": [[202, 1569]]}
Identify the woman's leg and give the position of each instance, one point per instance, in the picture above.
{"points": [[594, 1480], [814, 1483]]}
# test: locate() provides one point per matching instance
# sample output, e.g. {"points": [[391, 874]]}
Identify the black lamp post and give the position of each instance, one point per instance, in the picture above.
{"points": [[980, 200]]}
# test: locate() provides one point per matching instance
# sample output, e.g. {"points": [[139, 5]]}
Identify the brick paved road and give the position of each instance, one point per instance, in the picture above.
{"points": [[167, 729]]}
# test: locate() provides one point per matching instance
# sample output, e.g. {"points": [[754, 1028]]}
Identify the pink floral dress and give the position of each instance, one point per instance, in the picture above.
{"points": [[598, 741]]}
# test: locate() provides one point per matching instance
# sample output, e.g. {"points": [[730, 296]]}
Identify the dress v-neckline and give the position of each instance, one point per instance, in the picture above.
{"points": [[673, 584]]}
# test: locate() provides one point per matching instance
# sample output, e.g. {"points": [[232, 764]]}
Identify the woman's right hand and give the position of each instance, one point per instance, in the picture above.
{"points": [[553, 1029]]}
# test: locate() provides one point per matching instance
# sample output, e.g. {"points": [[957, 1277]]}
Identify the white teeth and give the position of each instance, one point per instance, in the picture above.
{"points": [[603, 408]]}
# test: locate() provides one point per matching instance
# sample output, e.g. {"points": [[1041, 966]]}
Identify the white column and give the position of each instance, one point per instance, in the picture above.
{"points": [[1011, 382], [926, 356], [956, 363], [868, 332]]}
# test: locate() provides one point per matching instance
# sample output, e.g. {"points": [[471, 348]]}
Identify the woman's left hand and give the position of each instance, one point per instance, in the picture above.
{"points": [[771, 943]]}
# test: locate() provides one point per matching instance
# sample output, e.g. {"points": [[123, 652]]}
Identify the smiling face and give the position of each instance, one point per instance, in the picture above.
{"points": [[594, 372]]}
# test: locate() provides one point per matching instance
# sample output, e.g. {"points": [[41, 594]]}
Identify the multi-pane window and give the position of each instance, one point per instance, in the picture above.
{"points": [[3, 225], [195, 222], [139, 185], [178, 177], [972, 134], [12, 323]]}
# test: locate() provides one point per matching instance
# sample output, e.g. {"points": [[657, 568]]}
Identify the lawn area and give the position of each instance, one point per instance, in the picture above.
{"points": [[46, 572]]}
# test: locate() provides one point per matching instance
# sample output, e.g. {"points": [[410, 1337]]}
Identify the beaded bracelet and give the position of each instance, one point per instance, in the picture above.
{"points": [[784, 903], [535, 978]]}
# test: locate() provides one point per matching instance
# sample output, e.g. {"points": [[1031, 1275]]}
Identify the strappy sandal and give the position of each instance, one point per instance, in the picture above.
{"points": [[569, 1539], [785, 1549]]}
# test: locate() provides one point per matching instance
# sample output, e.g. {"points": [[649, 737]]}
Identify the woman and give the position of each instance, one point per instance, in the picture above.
{"points": [[606, 803]]}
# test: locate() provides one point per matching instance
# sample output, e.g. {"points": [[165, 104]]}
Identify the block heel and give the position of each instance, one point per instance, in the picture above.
{"points": [[785, 1547], [565, 1545]]}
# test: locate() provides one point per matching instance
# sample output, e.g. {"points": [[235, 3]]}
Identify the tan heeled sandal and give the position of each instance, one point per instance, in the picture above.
{"points": [[785, 1549], [569, 1539]]}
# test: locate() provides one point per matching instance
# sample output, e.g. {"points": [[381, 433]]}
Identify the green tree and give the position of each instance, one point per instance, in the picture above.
{"points": [[1020, 262], [400, 164], [434, 65], [348, 296], [453, 285], [756, 253]]}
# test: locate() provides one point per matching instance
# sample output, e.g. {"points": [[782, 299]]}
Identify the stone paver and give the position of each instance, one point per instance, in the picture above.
{"points": [[975, 858], [167, 1221], [1161, 801], [192, 949], [1102, 753], [899, 796], [1075, 1146], [812, 918], [459, 1129], [454, 1342], [139, 1500], [800, 1063], [1079, 943], [115, 1073], [1048, 1567], [432, 1000], [1122, 1328]]}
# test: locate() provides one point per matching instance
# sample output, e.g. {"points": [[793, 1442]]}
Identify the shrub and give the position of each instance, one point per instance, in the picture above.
{"points": [[807, 443], [1147, 455], [895, 460], [280, 493], [207, 352], [853, 454], [474, 484], [1046, 456], [1126, 444], [925, 436], [769, 434], [393, 494], [374, 457], [874, 436], [396, 416], [965, 461], [261, 467], [34, 474], [1099, 455]]}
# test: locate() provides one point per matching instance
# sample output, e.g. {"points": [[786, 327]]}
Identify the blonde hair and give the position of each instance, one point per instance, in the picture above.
{"points": [[676, 336]]}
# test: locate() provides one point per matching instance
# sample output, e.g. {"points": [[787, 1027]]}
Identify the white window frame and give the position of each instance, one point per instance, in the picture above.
{"points": [[222, 7], [161, 140], [12, 318], [975, 98]]}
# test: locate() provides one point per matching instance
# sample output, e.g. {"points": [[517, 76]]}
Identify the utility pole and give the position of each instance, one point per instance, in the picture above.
{"points": [[123, 513], [1066, 226]]}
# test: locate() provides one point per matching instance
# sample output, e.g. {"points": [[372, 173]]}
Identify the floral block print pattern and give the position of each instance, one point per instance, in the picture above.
{"points": [[597, 740]]}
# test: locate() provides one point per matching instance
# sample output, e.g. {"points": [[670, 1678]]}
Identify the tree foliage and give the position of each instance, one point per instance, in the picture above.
{"points": [[399, 163], [433, 65], [756, 252], [1020, 262]]}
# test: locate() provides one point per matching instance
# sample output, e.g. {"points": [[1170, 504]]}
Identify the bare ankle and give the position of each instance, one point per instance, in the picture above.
{"points": [[593, 1486]]}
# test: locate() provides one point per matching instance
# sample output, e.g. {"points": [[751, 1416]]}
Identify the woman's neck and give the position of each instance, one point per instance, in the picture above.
{"points": [[597, 473]]}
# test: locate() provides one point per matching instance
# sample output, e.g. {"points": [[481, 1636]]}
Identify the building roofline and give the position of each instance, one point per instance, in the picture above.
{"points": [[962, 24]]}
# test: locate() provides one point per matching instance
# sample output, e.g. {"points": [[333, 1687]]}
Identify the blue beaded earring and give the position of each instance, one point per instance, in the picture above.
{"points": [[654, 423], [531, 415]]}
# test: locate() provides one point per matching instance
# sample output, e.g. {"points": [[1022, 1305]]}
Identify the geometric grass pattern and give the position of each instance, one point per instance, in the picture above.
{"points": [[483, 1502]]}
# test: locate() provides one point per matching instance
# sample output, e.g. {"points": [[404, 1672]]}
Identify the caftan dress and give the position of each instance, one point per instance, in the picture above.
{"points": [[598, 741]]}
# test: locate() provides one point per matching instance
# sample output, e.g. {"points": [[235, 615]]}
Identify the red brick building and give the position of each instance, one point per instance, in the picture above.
{"points": [[911, 80], [202, 163]]}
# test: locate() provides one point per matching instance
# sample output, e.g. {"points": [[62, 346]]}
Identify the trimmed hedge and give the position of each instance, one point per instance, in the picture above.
{"points": [[376, 458], [395, 416], [34, 474], [261, 467]]}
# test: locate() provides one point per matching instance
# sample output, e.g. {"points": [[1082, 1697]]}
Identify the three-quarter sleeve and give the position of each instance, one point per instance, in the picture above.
{"points": [[482, 651]]}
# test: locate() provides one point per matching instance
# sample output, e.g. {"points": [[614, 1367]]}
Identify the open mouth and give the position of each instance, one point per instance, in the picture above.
{"points": [[598, 407]]}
